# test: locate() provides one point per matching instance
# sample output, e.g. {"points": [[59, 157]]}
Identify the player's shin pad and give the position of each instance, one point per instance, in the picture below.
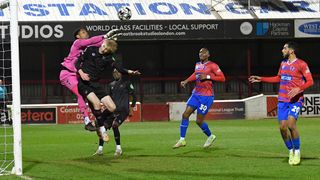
{"points": [[98, 115], [108, 118]]}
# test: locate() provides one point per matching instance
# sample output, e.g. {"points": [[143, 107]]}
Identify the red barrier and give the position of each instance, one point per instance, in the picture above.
{"points": [[155, 112], [226, 110], [136, 116], [70, 114], [272, 106]]}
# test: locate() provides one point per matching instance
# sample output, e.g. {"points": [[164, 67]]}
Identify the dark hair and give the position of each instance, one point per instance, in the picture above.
{"points": [[294, 46], [76, 32]]}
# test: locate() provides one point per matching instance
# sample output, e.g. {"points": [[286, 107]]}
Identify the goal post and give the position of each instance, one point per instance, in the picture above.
{"points": [[16, 101], [10, 137]]}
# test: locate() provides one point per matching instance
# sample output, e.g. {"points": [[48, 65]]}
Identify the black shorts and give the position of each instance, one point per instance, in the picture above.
{"points": [[87, 87], [120, 117]]}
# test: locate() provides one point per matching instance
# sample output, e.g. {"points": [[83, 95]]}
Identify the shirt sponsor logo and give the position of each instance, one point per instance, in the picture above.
{"points": [[286, 78], [200, 67]]}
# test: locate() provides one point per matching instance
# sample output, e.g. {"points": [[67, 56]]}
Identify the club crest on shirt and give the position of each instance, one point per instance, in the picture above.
{"points": [[93, 54], [292, 68]]}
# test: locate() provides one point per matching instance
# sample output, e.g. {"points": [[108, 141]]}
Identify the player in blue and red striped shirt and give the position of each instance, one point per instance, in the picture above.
{"points": [[294, 77], [205, 74]]}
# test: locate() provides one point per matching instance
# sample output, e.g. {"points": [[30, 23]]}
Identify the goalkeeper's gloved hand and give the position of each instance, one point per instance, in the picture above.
{"points": [[113, 34]]}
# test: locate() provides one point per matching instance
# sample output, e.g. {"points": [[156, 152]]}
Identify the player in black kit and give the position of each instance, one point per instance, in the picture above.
{"points": [[121, 90], [91, 65]]}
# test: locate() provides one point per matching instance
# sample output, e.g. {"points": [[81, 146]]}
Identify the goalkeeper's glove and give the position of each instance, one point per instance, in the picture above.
{"points": [[113, 34]]}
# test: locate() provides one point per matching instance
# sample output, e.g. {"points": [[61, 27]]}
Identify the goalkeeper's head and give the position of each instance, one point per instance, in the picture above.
{"points": [[81, 33]]}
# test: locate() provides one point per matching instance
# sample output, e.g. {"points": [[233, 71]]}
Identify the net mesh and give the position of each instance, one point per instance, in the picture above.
{"points": [[6, 130]]}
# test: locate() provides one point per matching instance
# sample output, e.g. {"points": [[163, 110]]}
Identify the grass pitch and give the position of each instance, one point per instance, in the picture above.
{"points": [[244, 149]]}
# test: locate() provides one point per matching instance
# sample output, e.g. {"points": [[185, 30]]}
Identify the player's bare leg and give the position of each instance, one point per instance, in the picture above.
{"points": [[206, 130], [295, 139], [94, 100], [108, 103], [287, 139], [183, 127]]}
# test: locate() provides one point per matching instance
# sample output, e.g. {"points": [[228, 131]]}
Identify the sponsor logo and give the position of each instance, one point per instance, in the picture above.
{"points": [[273, 29], [45, 31], [38, 115], [312, 28], [77, 9], [262, 28], [311, 106], [267, 7], [246, 28]]}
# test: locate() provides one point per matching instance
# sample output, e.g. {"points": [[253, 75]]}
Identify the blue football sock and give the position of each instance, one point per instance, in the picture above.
{"points": [[296, 143], [183, 127], [205, 129], [289, 144]]}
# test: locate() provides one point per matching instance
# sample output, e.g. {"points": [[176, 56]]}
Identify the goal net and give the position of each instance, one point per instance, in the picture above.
{"points": [[10, 120]]}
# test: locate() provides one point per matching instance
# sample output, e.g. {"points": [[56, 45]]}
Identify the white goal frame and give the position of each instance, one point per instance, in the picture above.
{"points": [[15, 71]]}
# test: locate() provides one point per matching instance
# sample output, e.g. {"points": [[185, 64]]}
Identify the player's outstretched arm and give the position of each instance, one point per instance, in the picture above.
{"points": [[134, 72], [191, 78], [96, 40], [113, 34], [254, 79], [93, 41], [273, 79]]}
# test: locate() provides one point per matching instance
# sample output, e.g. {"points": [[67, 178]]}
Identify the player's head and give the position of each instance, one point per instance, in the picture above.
{"points": [[204, 54], [81, 33], [289, 49], [109, 46], [116, 74]]}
